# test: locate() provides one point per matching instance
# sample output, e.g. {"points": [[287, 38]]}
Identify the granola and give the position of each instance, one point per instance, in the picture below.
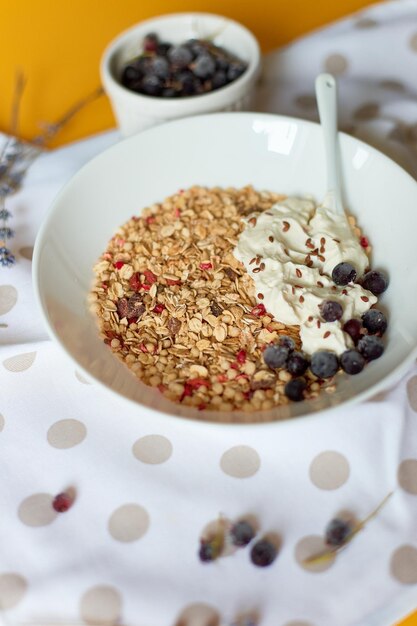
{"points": [[181, 311]]}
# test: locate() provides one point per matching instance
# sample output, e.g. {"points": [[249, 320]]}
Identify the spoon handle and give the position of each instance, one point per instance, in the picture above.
{"points": [[326, 94]]}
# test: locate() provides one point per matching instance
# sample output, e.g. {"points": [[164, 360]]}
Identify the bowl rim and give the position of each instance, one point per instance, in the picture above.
{"points": [[115, 89], [385, 384]]}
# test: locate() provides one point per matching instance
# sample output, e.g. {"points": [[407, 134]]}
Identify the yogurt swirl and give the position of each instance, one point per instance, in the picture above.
{"points": [[290, 252]]}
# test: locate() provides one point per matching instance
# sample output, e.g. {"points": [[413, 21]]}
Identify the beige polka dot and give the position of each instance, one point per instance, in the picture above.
{"points": [[306, 101], [336, 64], [366, 22], [392, 85], [404, 565], [413, 42], [26, 252], [66, 433], [20, 362], [1, 422], [378, 397], [407, 476], [412, 392], [81, 378], [198, 614], [8, 298], [240, 462], [367, 111], [329, 470], [398, 133], [308, 547], [152, 449], [101, 606], [12, 590], [37, 510], [128, 523]]}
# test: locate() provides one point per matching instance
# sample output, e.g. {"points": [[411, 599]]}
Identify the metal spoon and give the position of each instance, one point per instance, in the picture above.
{"points": [[326, 95]]}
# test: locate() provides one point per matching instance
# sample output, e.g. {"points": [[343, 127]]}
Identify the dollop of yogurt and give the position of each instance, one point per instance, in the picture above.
{"points": [[290, 252]]}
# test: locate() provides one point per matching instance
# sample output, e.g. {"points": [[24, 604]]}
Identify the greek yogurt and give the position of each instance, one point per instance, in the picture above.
{"points": [[290, 252]]}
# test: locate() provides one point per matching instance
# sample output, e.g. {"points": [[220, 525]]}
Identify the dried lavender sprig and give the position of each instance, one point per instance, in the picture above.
{"points": [[7, 259], [17, 156]]}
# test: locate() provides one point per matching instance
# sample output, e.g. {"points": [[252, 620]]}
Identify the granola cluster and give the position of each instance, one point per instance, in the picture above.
{"points": [[175, 305]]}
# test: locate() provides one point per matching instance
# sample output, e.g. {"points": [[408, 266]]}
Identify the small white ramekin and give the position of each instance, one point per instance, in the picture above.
{"points": [[135, 112]]}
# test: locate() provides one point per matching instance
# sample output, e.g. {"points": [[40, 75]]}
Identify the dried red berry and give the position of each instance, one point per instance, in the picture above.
{"points": [[133, 320], [206, 266], [150, 277], [62, 502], [364, 242], [241, 356], [122, 307], [222, 378], [119, 264], [134, 282], [150, 219], [174, 325], [258, 310], [173, 282], [195, 383], [159, 308], [135, 306], [177, 212]]}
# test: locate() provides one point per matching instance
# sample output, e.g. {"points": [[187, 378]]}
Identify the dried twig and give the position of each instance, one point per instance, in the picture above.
{"points": [[20, 85]]}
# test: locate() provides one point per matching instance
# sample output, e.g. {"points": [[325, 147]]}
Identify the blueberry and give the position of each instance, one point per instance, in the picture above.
{"points": [[371, 347], [353, 328], [241, 533], [324, 364], [151, 85], [376, 282], [159, 66], [375, 322], [207, 553], [196, 46], [204, 66], [343, 274], [331, 311], [297, 364], [180, 56], [219, 79], [275, 356], [352, 362], [286, 341], [131, 74], [235, 70], [294, 389], [163, 48], [169, 92], [337, 531], [263, 553], [185, 83]]}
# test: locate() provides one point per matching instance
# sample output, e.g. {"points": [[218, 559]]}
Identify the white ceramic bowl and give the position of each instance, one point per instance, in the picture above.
{"points": [[227, 149], [135, 112]]}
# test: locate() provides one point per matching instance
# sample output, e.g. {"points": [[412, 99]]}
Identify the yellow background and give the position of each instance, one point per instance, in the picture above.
{"points": [[58, 44]]}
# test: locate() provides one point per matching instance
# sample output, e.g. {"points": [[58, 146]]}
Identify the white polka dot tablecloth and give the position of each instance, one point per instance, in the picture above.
{"points": [[125, 553]]}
